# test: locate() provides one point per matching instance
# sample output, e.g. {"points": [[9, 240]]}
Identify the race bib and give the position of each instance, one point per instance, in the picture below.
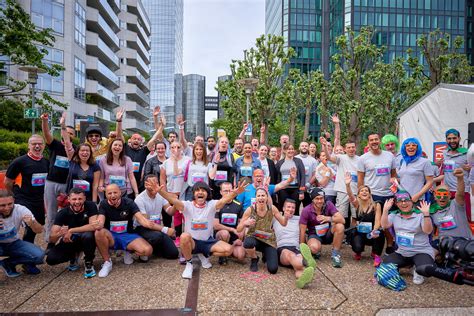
{"points": [[118, 227], [266, 171], [81, 184], [118, 180], [406, 239], [199, 224], [156, 219], [364, 227], [38, 179], [322, 229], [253, 201], [61, 162], [449, 166], [8, 234], [447, 223], [221, 175], [136, 166], [354, 176], [198, 177], [229, 219], [246, 171], [382, 170], [262, 234]]}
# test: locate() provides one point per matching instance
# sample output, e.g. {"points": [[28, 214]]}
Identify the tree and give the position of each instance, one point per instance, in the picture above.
{"points": [[265, 62], [22, 43], [11, 116]]}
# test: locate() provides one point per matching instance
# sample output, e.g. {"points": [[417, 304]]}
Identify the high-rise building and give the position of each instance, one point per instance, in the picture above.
{"points": [[103, 46], [312, 26], [211, 107], [220, 112], [166, 17], [194, 92]]}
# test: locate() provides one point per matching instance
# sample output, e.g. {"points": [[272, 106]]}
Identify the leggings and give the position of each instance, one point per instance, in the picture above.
{"points": [[162, 244], [270, 254], [420, 260], [66, 251], [359, 240]]}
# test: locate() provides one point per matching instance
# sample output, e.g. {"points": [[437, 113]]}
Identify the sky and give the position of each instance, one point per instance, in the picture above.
{"points": [[217, 31]]}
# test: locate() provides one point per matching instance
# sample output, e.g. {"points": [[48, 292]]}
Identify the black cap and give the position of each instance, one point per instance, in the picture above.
{"points": [[316, 192], [94, 128]]}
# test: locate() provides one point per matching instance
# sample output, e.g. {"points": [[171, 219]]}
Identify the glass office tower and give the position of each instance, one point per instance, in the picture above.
{"points": [[194, 93]]}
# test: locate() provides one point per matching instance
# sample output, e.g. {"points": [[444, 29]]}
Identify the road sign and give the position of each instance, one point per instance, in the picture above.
{"points": [[31, 113]]}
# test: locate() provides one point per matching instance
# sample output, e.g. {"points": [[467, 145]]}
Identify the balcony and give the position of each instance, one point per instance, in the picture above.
{"points": [[136, 109], [97, 70], [136, 7], [134, 59], [109, 13], [97, 24], [97, 47], [133, 93], [135, 125], [134, 76], [98, 94], [131, 35]]}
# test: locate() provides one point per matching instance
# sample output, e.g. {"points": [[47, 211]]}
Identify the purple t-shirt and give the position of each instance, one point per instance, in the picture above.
{"points": [[308, 216], [117, 174]]}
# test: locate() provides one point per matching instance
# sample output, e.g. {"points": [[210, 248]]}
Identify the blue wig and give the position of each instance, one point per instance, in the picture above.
{"points": [[418, 152]]}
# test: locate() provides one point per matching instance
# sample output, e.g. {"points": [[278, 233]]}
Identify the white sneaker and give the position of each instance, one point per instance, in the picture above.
{"points": [[106, 268], [417, 279], [127, 257], [188, 271], [205, 263], [144, 258]]}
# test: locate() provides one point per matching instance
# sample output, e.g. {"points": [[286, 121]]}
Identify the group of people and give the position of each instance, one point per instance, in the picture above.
{"points": [[173, 198]]}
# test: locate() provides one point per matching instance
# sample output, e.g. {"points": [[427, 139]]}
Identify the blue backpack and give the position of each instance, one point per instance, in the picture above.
{"points": [[388, 276]]}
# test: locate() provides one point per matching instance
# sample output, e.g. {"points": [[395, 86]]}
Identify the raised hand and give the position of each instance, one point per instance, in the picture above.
{"points": [[119, 115], [262, 128], [388, 205], [241, 187], [323, 141], [62, 120], [335, 119], [44, 116], [156, 111], [458, 173], [348, 178], [424, 208]]}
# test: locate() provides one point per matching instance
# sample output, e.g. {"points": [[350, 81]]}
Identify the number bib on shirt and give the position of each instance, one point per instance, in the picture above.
{"points": [[118, 227], [7, 234], [406, 239], [354, 176], [198, 177], [364, 227], [322, 229], [136, 166], [253, 201], [221, 175], [156, 219], [447, 223], [61, 162], [382, 170], [118, 180], [229, 219], [246, 171], [449, 166], [286, 177], [262, 234], [38, 179], [81, 184], [199, 224]]}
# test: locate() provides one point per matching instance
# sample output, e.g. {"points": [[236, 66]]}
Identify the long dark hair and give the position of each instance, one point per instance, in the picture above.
{"points": [[75, 158], [204, 153], [110, 156]]}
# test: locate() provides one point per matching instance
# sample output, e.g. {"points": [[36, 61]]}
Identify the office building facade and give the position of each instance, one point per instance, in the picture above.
{"points": [[166, 18], [194, 92]]}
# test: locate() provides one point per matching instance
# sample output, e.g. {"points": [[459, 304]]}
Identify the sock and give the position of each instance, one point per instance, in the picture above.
{"points": [[190, 261], [334, 252]]}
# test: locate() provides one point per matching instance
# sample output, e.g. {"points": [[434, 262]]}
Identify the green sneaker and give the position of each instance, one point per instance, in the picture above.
{"points": [[307, 255], [336, 261], [305, 278]]}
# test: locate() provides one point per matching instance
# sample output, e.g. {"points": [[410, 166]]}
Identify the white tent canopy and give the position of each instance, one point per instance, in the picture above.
{"points": [[446, 106]]}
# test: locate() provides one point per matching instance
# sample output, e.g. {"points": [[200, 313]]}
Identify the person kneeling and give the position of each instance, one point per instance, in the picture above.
{"points": [[74, 228], [199, 215], [290, 253]]}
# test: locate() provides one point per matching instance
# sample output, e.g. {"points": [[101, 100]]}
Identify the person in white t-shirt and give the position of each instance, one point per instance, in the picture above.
{"points": [[199, 216]]}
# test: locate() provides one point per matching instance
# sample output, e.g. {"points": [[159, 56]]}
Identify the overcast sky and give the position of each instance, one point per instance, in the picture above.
{"points": [[217, 31]]}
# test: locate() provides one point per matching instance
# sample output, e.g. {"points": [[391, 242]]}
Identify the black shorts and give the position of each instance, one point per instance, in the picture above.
{"points": [[325, 239], [204, 246], [290, 248]]}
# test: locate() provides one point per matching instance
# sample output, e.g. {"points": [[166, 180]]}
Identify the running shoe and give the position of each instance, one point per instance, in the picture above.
{"points": [[9, 270], [89, 271], [336, 261], [307, 256], [305, 278]]}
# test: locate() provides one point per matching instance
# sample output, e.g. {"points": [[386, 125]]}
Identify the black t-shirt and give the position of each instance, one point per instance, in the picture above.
{"points": [[119, 219], [138, 157], [230, 214], [33, 176], [68, 217], [82, 179], [58, 162]]}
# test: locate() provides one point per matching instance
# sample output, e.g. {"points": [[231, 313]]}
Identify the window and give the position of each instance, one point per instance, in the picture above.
{"points": [[79, 79], [80, 25], [47, 82], [48, 14]]}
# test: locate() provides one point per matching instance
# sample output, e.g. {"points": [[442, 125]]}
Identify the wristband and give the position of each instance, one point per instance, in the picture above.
{"points": [[118, 121], [426, 216], [181, 127], [328, 174], [164, 230]]}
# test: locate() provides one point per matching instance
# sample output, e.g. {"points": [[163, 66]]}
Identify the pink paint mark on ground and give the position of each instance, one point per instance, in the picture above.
{"points": [[255, 276]]}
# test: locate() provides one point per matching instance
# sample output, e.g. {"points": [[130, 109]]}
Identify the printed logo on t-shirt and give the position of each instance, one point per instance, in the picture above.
{"points": [[364, 227], [229, 219], [81, 184], [221, 175], [322, 229], [447, 222], [38, 179], [406, 239], [262, 234], [61, 162], [136, 166], [156, 219], [118, 227], [199, 224], [382, 170], [449, 166], [8, 233], [118, 180]]}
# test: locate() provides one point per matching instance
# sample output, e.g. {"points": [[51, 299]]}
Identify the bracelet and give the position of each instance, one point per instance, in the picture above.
{"points": [[181, 127], [426, 216], [118, 121], [164, 230]]}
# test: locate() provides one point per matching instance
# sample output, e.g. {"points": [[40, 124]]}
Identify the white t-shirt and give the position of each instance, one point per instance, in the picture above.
{"points": [[199, 221], [265, 168], [320, 174], [198, 172], [377, 169], [150, 207], [11, 224], [346, 164], [310, 165], [175, 183]]}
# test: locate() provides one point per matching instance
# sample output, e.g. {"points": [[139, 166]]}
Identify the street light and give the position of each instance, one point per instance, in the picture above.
{"points": [[249, 84], [32, 80]]}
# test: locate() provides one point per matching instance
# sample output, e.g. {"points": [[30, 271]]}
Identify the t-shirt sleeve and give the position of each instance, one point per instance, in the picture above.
{"points": [[23, 210], [187, 206], [102, 208], [390, 218], [133, 207], [95, 167], [13, 169], [427, 169], [304, 217], [393, 162], [331, 209], [129, 164], [360, 165], [59, 219], [140, 204], [91, 208], [212, 204]]}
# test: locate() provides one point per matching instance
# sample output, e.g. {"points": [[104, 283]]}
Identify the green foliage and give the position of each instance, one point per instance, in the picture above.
{"points": [[11, 116], [11, 150], [15, 137]]}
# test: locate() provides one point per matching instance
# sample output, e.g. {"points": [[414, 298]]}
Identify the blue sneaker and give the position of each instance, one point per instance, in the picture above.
{"points": [[31, 269], [73, 265], [89, 271], [9, 270]]}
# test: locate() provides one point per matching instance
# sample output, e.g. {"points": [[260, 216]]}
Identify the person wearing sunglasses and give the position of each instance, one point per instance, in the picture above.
{"points": [[412, 229], [449, 216]]}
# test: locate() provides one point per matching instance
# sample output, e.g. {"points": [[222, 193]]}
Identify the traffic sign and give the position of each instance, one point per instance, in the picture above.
{"points": [[31, 113]]}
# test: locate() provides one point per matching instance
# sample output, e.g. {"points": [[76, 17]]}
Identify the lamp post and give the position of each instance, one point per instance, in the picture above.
{"points": [[32, 80], [249, 85]]}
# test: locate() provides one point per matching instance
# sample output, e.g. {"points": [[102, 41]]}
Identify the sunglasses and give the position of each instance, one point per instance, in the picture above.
{"points": [[403, 200], [94, 136], [442, 195]]}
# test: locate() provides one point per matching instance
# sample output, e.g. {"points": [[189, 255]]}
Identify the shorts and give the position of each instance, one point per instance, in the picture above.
{"points": [[122, 240], [326, 239], [290, 248], [204, 246]]}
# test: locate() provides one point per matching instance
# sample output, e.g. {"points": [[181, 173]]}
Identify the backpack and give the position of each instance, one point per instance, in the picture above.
{"points": [[388, 276]]}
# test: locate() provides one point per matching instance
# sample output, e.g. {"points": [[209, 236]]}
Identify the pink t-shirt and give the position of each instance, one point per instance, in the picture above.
{"points": [[117, 174]]}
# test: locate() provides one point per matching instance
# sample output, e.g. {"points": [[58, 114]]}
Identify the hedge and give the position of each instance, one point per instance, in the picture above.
{"points": [[13, 136]]}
